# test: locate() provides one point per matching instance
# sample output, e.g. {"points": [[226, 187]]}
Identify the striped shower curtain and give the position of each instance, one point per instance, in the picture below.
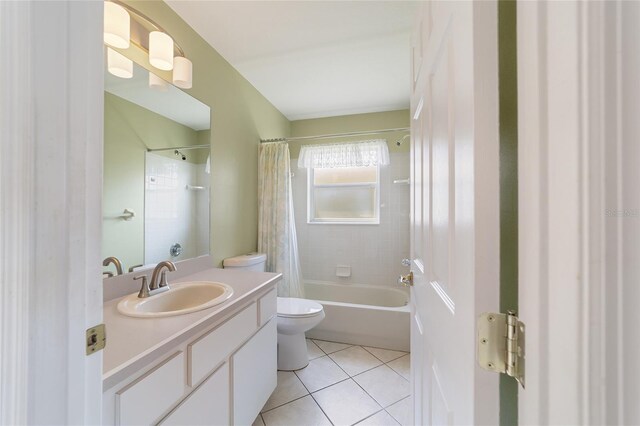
{"points": [[276, 223]]}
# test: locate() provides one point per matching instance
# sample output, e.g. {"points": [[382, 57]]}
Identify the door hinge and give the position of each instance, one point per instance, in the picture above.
{"points": [[96, 338], [501, 344]]}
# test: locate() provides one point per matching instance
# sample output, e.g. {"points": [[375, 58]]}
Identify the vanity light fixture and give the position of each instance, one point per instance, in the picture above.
{"points": [[157, 83], [160, 45], [182, 72], [161, 50], [118, 64], [117, 26]]}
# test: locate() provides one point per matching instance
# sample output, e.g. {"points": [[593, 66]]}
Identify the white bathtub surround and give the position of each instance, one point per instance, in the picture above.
{"points": [[276, 220], [361, 315], [373, 252], [323, 392]]}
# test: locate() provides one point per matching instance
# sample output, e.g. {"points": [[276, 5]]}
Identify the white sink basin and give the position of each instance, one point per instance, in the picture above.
{"points": [[182, 298]]}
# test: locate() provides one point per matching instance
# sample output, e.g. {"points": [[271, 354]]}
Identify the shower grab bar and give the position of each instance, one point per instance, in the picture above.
{"points": [[195, 188], [402, 181]]}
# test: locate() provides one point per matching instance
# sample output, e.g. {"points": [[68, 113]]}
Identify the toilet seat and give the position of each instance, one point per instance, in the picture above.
{"points": [[291, 307]]}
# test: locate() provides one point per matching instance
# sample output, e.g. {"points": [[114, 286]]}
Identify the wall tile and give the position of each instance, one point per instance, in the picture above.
{"points": [[374, 252]]}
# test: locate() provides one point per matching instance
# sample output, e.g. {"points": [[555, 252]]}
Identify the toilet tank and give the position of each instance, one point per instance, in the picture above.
{"points": [[248, 262]]}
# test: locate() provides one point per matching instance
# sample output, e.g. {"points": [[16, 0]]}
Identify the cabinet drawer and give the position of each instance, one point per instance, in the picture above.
{"points": [[210, 350], [207, 405], [146, 399], [268, 306]]}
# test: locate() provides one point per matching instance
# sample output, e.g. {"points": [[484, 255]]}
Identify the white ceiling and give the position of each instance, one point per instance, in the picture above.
{"points": [[313, 58]]}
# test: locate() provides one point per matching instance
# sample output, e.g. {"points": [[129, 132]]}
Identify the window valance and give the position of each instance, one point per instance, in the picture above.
{"points": [[356, 154]]}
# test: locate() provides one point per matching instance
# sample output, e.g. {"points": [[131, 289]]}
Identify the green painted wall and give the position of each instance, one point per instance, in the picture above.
{"points": [[508, 86], [240, 117], [352, 123], [128, 131]]}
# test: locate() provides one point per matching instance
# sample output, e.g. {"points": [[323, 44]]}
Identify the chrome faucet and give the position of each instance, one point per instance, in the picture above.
{"points": [[115, 261], [155, 287]]}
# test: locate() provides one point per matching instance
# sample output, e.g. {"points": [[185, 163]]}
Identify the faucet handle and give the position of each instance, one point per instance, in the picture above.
{"points": [[144, 290]]}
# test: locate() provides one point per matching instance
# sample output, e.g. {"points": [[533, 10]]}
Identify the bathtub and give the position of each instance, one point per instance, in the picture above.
{"points": [[361, 314]]}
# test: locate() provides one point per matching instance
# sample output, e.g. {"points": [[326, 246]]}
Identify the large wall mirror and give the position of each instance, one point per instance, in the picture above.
{"points": [[157, 160]]}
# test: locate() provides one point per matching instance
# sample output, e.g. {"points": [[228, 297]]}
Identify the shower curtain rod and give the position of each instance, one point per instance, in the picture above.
{"points": [[179, 147], [336, 135]]}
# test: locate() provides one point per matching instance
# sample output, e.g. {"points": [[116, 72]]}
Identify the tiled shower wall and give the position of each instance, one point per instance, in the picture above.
{"points": [[374, 252], [173, 213]]}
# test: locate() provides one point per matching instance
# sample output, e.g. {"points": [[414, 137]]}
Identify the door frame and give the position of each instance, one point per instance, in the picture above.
{"points": [[51, 118], [566, 59]]}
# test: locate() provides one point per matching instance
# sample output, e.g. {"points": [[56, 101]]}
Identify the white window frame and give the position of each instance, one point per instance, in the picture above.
{"points": [[342, 221]]}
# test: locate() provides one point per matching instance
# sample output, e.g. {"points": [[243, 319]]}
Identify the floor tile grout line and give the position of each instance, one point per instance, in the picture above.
{"points": [[349, 377], [390, 415], [329, 353], [378, 412], [321, 409], [398, 373], [368, 417], [308, 394], [386, 362], [345, 371], [282, 405], [391, 368], [342, 380], [365, 391], [357, 384], [394, 417], [311, 394]]}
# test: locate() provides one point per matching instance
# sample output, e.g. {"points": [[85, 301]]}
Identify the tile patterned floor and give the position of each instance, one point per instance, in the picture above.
{"points": [[342, 385]]}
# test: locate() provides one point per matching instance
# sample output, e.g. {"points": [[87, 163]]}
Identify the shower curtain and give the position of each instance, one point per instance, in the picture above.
{"points": [[276, 223]]}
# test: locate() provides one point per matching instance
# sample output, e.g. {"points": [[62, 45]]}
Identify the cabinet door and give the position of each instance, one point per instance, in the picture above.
{"points": [[207, 405], [254, 374]]}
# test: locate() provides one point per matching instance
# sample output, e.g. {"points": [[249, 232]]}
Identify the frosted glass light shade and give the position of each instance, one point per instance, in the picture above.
{"points": [[118, 64], [161, 50], [182, 72], [116, 25], [157, 83]]}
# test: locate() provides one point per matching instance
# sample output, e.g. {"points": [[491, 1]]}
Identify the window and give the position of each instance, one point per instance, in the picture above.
{"points": [[344, 181], [343, 195]]}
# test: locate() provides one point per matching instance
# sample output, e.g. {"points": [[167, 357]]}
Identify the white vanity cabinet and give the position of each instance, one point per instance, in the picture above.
{"points": [[221, 375], [207, 405]]}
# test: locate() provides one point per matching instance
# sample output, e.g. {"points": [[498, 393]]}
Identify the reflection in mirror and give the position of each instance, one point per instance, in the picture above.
{"points": [[156, 173]]}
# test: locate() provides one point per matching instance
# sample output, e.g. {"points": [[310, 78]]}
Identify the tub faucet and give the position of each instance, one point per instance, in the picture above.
{"points": [[163, 284], [115, 261]]}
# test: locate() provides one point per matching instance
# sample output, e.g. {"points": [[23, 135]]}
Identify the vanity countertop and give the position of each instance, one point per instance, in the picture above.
{"points": [[133, 343]]}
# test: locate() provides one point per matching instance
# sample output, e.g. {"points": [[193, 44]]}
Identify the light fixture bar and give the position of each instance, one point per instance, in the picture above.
{"points": [[140, 16]]}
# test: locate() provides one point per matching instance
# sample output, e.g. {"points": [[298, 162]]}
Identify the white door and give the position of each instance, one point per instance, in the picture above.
{"points": [[579, 223], [51, 114], [455, 209]]}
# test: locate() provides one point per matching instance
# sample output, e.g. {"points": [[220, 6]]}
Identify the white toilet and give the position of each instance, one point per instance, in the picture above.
{"points": [[295, 317]]}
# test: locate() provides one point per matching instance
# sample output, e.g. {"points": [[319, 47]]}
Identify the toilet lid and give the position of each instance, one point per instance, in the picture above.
{"points": [[293, 307]]}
